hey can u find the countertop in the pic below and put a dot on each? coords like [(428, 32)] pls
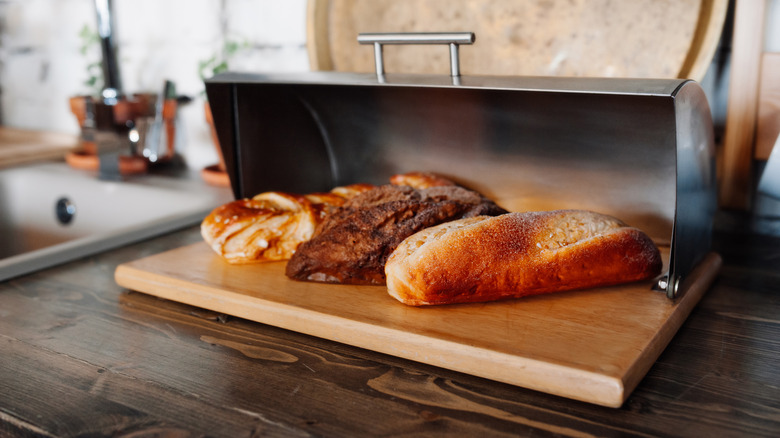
[(19, 146), (80, 356)]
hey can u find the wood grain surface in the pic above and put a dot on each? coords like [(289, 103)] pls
[(82, 356), (768, 117), (592, 345), (736, 157), (539, 38)]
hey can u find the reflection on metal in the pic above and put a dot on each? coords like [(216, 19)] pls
[(112, 82), (639, 149)]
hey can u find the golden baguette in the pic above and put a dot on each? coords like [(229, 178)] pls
[(518, 254)]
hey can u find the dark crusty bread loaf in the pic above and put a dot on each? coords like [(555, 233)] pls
[(351, 245), (518, 254)]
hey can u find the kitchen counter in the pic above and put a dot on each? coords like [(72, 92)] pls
[(81, 356), (20, 146)]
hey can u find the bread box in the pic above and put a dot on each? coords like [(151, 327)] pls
[(639, 149)]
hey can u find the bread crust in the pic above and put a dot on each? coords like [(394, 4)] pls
[(271, 225), (420, 180), (353, 243), (518, 254)]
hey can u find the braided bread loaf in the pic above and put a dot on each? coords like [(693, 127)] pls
[(271, 225)]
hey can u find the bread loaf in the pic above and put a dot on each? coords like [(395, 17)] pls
[(518, 254), (271, 225), (420, 180), (353, 243)]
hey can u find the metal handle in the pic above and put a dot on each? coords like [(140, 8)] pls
[(453, 39)]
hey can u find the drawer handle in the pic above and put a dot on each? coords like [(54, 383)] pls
[(453, 39)]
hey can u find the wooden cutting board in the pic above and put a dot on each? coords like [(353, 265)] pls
[(638, 38), (592, 345)]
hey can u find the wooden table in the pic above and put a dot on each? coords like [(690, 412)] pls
[(81, 356)]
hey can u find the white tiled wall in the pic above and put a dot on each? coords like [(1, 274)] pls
[(41, 65)]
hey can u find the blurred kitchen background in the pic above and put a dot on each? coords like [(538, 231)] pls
[(49, 52)]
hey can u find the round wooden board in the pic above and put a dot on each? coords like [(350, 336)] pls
[(601, 38)]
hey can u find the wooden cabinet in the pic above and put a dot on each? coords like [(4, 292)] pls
[(753, 115)]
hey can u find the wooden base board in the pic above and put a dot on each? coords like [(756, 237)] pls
[(592, 345)]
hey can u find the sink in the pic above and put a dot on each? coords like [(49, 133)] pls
[(51, 213)]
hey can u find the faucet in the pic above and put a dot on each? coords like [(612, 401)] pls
[(120, 125), (110, 138), (112, 82), (111, 141)]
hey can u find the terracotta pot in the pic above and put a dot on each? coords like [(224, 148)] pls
[(130, 109), (128, 164), (78, 106)]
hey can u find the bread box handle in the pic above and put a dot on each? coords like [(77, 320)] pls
[(453, 39)]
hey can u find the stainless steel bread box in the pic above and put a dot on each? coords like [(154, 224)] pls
[(639, 149)]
